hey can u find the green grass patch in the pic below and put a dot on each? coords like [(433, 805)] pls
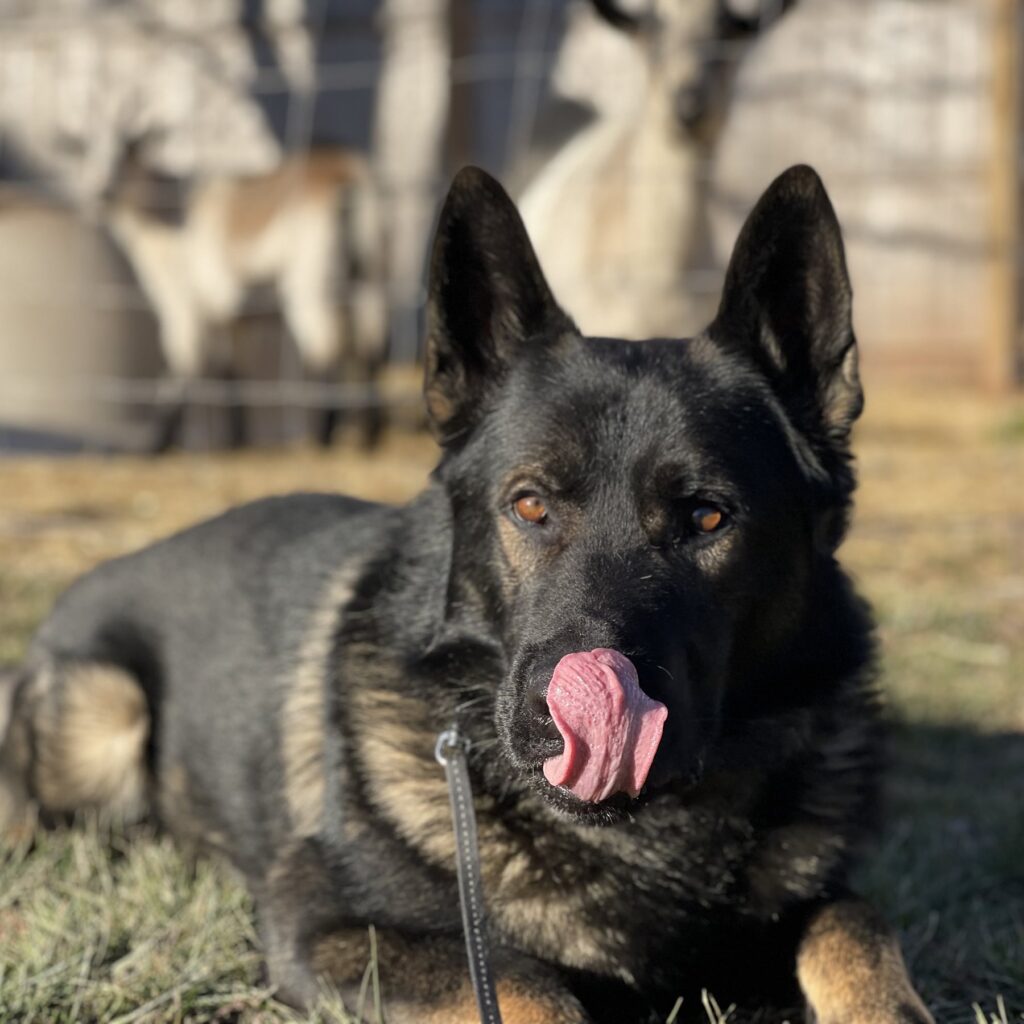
[(1011, 430), (24, 601), (125, 928)]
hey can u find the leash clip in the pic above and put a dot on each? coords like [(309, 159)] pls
[(449, 739)]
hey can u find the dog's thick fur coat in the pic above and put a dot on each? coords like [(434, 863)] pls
[(271, 682)]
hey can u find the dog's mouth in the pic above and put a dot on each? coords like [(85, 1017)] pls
[(590, 742), (586, 741), (609, 728)]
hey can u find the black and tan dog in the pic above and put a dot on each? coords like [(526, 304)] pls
[(620, 582)]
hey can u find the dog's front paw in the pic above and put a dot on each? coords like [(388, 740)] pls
[(851, 970), (873, 1009)]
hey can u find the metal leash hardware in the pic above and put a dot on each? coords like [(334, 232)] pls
[(450, 752)]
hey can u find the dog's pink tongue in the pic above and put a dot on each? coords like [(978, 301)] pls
[(610, 726)]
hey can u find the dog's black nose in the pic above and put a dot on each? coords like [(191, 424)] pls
[(537, 701)]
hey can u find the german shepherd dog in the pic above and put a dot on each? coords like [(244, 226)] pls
[(621, 584)]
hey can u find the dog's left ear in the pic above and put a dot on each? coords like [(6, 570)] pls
[(487, 300), (787, 302)]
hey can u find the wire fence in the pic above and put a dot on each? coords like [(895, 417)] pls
[(634, 154)]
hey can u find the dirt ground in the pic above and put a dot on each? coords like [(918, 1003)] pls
[(937, 545)]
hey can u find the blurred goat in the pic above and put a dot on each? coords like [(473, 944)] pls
[(616, 215), (311, 229)]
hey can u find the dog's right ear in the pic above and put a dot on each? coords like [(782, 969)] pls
[(787, 304), (487, 300)]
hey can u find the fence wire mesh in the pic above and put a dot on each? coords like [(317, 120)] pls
[(142, 144)]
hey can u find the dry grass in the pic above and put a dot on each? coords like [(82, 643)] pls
[(938, 545)]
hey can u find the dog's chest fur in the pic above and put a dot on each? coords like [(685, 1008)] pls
[(602, 900)]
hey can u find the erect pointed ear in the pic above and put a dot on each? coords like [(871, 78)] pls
[(786, 303), (487, 300)]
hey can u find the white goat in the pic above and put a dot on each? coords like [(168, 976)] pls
[(616, 216), (310, 229)]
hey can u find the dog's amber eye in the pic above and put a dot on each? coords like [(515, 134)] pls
[(530, 509), (707, 519)]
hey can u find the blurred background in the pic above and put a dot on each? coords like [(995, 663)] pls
[(214, 213), (214, 216)]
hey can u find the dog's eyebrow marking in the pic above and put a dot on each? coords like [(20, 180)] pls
[(547, 475), (472, 702)]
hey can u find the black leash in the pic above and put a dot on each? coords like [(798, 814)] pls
[(450, 752)]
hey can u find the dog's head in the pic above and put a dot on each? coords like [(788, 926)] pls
[(665, 508)]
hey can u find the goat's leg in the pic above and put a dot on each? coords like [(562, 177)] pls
[(318, 330), (221, 361), (181, 338), (172, 401)]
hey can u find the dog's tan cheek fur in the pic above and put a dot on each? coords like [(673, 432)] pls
[(522, 557), (516, 561)]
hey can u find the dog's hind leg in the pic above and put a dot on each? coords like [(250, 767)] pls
[(75, 740)]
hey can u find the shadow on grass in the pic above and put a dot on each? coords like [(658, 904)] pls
[(949, 871)]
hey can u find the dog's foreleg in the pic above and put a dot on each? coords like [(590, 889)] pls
[(851, 970), (425, 980)]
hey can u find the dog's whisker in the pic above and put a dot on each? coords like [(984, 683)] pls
[(486, 744), (471, 703)]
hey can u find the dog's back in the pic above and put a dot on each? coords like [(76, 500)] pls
[(130, 669)]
